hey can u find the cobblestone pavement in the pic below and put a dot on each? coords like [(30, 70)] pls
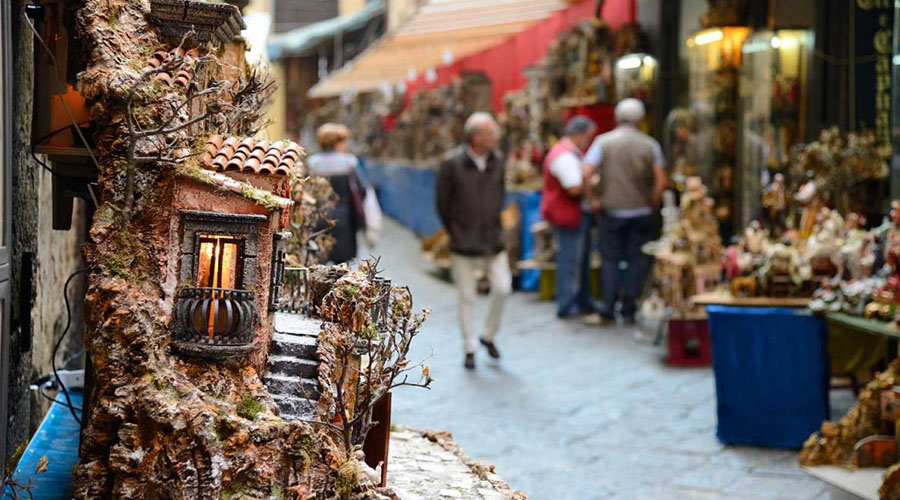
[(421, 469), (577, 412)]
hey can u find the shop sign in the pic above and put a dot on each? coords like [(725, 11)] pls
[(873, 22)]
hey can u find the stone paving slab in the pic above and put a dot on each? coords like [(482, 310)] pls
[(574, 412)]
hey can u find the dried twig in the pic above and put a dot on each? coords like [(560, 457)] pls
[(370, 363), (231, 108)]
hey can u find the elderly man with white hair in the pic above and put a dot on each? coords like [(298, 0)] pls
[(470, 196), (632, 178)]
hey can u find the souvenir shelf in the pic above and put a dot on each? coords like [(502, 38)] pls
[(714, 58), (774, 69), (635, 76)]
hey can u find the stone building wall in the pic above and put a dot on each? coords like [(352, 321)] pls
[(55, 253), (58, 256)]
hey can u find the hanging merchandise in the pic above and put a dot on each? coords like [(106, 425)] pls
[(581, 65)]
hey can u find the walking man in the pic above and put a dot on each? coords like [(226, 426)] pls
[(470, 197), (632, 180), (562, 205)]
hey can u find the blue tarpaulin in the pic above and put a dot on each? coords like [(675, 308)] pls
[(57, 439), (530, 207), (407, 195), (772, 375)]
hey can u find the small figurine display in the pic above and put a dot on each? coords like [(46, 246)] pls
[(793, 266), (865, 283), (775, 203), (544, 242), (723, 13), (839, 163), (867, 436), (688, 255), (522, 142)]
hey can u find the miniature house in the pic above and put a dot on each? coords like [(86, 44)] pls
[(228, 233)]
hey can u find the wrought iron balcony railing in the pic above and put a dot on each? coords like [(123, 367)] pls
[(214, 321), (295, 291)]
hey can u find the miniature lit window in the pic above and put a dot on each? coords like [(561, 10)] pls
[(219, 262)]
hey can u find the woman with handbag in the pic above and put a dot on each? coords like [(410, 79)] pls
[(339, 166)]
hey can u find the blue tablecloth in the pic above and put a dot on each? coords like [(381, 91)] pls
[(57, 439), (407, 195), (772, 375)]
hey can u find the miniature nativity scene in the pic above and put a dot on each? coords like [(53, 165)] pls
[(224, 360)]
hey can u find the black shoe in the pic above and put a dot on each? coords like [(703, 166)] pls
[(492, 349), (470, 361), (607, 319), (629, 320)]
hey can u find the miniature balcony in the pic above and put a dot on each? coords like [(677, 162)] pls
[(214, 322)]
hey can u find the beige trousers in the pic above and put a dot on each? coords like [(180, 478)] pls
[(465, 275)]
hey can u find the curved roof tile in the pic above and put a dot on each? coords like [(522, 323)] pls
[(259, 157)]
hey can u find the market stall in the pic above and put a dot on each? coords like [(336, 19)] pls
[(808, 291)]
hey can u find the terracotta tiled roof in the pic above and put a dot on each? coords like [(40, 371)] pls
[(246, 154), (183, 76)]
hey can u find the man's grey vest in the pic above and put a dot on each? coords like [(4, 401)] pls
[(626, 169)]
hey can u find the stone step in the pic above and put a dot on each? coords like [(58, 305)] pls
[(292, 407), (293, 366), (299, 346), (286, 385), (297, 324)]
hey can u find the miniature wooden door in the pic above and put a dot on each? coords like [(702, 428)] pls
[(5, 220)]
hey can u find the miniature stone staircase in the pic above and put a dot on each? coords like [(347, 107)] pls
[(292, 369)]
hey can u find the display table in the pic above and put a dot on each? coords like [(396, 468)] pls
[(849, 484), (857, 344), (863, 325), (772, 374), (723, 297)]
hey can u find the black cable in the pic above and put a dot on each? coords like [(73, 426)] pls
[(54, 400), (62, 386), (43, 165)]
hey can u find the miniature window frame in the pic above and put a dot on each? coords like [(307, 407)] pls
[(196, 223)]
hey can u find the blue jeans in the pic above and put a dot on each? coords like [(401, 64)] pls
[(573, 267), (621, 240)]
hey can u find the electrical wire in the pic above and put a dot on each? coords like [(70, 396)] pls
[(59, 93), (43, 165), (41, 391), (62, 386)]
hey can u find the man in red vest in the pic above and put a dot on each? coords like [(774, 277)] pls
[(562, 207)]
